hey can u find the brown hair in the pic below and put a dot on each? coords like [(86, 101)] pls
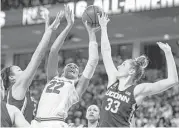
[(139, 64), (5, 73)]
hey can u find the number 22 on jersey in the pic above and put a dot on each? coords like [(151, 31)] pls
[(54, 86), (110, 104)]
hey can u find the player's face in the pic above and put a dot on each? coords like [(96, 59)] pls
[(71, 71), (16, 72), (125, 68), (93, 113)]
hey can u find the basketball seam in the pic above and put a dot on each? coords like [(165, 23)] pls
[(89, 17)]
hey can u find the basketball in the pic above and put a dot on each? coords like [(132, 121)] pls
[(90, 15)]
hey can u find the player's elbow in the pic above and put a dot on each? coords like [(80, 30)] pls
[(176, 79), (173, 81), (173, 77)]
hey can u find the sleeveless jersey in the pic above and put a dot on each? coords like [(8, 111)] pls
[(27, 106), (118, 107), (57, 97), (5, 117)]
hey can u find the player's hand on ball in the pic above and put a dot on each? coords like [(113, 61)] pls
[(56, 22), (69, 15), (103, 19), (90, 29), (165, 47)]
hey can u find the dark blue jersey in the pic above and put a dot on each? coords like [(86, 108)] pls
[(27, 106), (118, 107), (5, 117)]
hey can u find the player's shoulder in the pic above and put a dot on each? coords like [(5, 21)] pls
[(55, 78), (112, 83), (140, 90)]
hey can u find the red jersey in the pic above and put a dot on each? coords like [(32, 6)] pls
[(118, 107)]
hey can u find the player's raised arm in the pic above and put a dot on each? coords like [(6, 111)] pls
[(24, 81), (162, 85), (92, 61), (106, 50), (52, 66)]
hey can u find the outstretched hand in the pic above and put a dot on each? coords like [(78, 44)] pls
[(69, 15), (55, 23), (90, 29), (164, 47), (103, 19)]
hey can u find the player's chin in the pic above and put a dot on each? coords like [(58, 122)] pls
[(70, 75), (91, 118)]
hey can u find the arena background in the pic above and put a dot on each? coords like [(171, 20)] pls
[(134, 28)]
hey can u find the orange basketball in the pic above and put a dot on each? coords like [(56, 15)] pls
[(90, 15)]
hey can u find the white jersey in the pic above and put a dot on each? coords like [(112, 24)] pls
[(57, 97)]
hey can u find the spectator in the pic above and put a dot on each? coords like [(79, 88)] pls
[(92, 115)]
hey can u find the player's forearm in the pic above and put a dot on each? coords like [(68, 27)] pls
[(93, 52), (171, 67), (60, 39), (52, 65), (89, 69), (92, 37), (93, 47), (43, 45), (105, 44), (106, 53), (92, 61), (38, 54)]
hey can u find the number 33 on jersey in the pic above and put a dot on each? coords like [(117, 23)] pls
[(113, 105), (118, 107)]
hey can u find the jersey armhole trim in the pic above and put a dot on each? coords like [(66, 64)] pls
[(108, 86), (12, 121), (24, 103)]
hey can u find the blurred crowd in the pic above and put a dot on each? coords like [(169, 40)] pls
[(161, 110)]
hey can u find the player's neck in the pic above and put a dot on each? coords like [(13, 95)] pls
[(74, 80), (92, 124), (124, 83)]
